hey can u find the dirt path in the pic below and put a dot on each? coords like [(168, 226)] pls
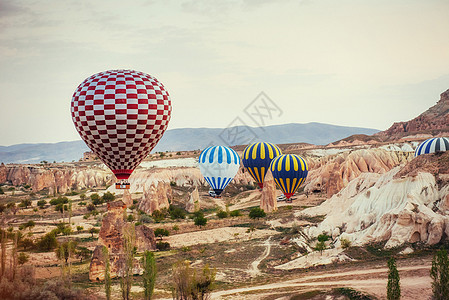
[(415, 283), (254, 267)]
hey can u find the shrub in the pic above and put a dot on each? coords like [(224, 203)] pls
[(323, 237), (200, 221), (41, 203), (47, 242), (2, 207), (175, 227), (22, 258), (158, 216), (130, 218), (345, 243), (162, 246), (257, 213), (79, 228), (108, 196), (90, 207), (59, 200), (161, 232), (25, 203), (221, 214), (96, 199), (1, 191), (235, 213), (144, 218), (176, 212)]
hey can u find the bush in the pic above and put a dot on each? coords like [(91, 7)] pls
[(1, 191), (144, 218), (200, 221), (162, 246), (96, 200), (176, 212), (2, 207), (161, 232), (25, 203), (345, 243), (257, 213), (221, 214), (47, 242), (175, 227), (158, 216), (323, 237), (108, 196), (130, 218), (22, 258), (90, 207), (59, 200), (41, 203), (79, 228)]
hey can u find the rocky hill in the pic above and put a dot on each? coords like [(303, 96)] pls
[(404, 205), (433, 121)]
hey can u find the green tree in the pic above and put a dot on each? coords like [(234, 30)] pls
[(66, 250), (25, 203), (221, 214), (161, 232), (320, 246), (129, 242), (393, 286), (22, 258), (257, 213), (79, 228), (235, 213), (41, 203), (93, 230), (440, 275), (158, 216), (107, 273), (200, 221), (47, 242), (96, 199), (323, 237), (108, 196), (83, 196), (1, 191), (149, 274)]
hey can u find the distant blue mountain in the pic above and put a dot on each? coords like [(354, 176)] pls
[(192, 139)]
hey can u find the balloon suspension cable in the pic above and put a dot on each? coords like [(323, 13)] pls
[(123, 184)]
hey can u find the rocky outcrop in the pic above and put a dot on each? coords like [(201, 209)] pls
[(268, 201), (55, 179), (435, 120), (111, 237), (156, 197), (193, 204), (330, 174), (396, 207)]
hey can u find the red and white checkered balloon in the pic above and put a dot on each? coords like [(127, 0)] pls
[(121, 115)]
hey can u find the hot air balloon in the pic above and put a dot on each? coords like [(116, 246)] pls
[(218, 165), (121, 115), (289, 172), (433, 145), (257, 158)]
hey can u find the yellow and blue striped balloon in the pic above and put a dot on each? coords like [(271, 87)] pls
[(257, 158), (289, 172)]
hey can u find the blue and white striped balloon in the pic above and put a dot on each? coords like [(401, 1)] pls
[(433, 145), (219, 165)]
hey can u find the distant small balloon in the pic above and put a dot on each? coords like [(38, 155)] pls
[(289, 172), (433, 145), (219, 165), (257, 159)]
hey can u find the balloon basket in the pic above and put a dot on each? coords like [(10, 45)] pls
[(123, 185)]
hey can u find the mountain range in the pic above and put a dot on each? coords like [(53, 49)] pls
[(192, 139)]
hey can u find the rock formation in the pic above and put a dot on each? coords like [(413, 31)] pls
[(111, 237), (435, 121), (193, 204), (405, 204), (332, 173), (268, 201), (156, 197), (56, 179)]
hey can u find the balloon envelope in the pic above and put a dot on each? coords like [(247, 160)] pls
[(433, 145), (289, 172), (257, 159), (121, 115), (219, 165)]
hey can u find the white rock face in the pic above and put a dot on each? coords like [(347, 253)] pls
[(375, 208)]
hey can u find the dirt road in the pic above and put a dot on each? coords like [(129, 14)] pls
[(415, 284)]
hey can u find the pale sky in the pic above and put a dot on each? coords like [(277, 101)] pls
[(347, 62)]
